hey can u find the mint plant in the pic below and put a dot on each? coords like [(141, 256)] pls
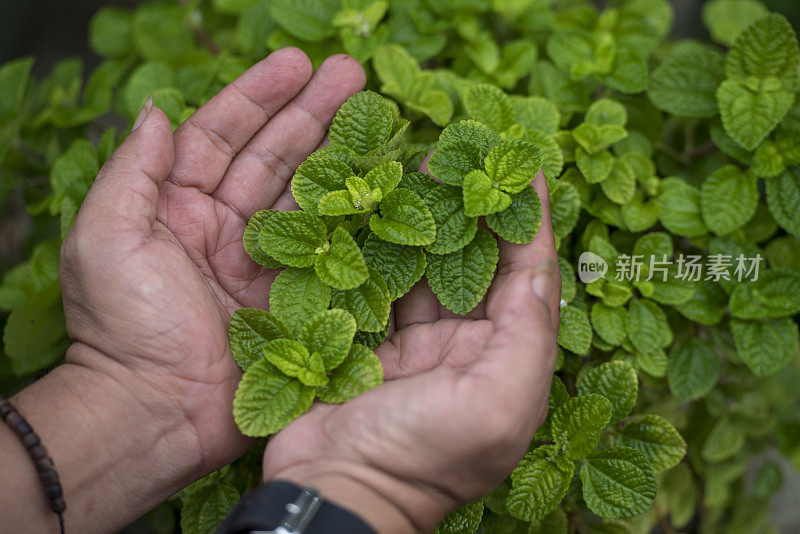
[(361, 240), (669, 388)]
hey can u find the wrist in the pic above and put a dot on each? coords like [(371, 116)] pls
[(119, 393), (117, 456), (387, 504)]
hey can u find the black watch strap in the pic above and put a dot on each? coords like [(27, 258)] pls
[(263, 509)]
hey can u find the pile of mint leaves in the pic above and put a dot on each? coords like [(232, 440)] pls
[(674, 406)]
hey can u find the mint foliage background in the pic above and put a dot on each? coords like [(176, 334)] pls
[(668, 393)]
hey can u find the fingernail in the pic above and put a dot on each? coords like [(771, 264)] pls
[(543, 278), (148, 105)]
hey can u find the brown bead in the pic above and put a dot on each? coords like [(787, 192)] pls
[(49, 477), (38, 452), (31, 440), (58, 505), (53, 491), (23, 428), (14, 419), (44, 464)]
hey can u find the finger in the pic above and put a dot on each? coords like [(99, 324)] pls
[(517, 362), (417, 306), (124, 198), (260, 173), (208, 141), (514, 257)]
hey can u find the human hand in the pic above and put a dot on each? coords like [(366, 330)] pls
[(462, 399), (154, 266)]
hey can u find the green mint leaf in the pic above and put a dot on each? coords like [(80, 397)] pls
[(620, 184), (726, 19), (767, 160), (766, 346), (680, 208), (372, 340), (728, 199), (316, 177), (618, 482), (404, 219), (628, 73), (329, 334), (160, 32), (639, 215), (555, 522), (385, 176), (363, 123), (610, 323), (418, 182), (750, 115), (766, 49), (538, 483), (552, 155), (14, 76), (249, 332), (251, 246), (575, 331), (267, 400), (402, 78), (593, 138), (110, 32), (487, 104), (293, 359), (308, 20), (565, 208), (337, 203), (292, 237), (707, 305), (616, 381), (725, 440), (686, 82), (360, 371), (454, 228), (297, 294), (512, 165), (520, 221), (342, 266), (577, 423), (34, 335), (656, 438), (775, 294), (642, 24), (693, 369), (205, 509), (400, 266), (768, 481), (480, 197), (369, 303), (461, 148), (463, 520), (783, 200), (606, 112), (580, 53), (594, 167), (460, 279), (536, 113), (648, 328)]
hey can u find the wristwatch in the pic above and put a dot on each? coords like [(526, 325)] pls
[(280, 507)]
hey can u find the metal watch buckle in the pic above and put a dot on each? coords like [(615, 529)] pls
[(298, 514)]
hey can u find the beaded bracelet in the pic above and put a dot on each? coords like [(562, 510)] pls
[(42, 461)]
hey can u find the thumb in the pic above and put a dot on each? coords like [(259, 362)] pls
[(124, 196), (517, 361)]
